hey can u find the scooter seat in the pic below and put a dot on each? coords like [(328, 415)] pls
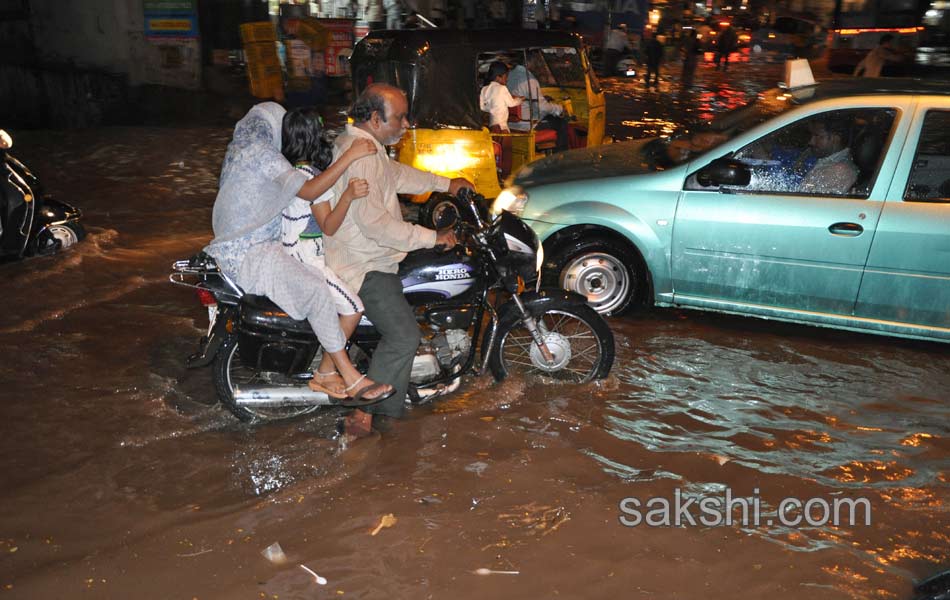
[(259, 312)]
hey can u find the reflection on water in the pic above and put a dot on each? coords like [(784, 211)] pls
[(783, 412), (635, 112), (857, 421)]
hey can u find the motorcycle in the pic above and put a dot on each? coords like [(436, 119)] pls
[(467, 299), (31, 221)]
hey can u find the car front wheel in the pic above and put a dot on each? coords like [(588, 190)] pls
[(600, 270)]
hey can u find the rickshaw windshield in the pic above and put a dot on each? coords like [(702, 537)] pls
[(564, 67)]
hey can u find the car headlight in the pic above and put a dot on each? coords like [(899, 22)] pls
[(512, 199)]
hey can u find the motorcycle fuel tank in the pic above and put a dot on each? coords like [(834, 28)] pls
[(433, 275)]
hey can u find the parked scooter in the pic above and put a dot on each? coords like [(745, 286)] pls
[(467, 299), (31, 222)]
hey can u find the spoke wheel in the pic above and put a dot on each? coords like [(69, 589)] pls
[(230, 372), (577, 337)]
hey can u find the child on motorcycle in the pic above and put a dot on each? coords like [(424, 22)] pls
[(305, 222)]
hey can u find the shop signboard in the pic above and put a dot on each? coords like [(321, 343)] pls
[(171, 18), (339, 47), (171, 25)]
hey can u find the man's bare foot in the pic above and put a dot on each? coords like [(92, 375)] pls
[(358, 424)]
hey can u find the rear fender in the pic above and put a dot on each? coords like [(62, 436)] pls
[(211, 343)]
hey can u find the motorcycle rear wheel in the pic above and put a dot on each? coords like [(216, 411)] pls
[(228, 371), (579, 338)]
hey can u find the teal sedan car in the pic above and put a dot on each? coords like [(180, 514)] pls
[(827, 204)]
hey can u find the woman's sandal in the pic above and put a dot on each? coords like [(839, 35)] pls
[(365, 395), (320, 382)]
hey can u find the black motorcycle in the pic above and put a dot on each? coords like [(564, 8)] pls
[(468, 299), (31, 221)]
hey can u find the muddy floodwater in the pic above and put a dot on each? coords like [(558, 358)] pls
[(123, 478)]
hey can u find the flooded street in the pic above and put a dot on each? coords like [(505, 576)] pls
[(123, 477)]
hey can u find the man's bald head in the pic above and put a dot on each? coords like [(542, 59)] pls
[(381, 111)]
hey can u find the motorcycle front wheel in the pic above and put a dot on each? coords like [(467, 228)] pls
[(229, 371), (579, 339)]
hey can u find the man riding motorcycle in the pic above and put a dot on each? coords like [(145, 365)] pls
[(373, 239)]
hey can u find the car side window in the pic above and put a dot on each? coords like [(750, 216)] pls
[(835, 153), (929, 179)]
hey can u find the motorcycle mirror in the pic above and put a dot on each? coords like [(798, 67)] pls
[(6, 141)]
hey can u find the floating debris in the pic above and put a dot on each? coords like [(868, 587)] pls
[(484, 571), (385, 522), (317, 578), (275, 554)]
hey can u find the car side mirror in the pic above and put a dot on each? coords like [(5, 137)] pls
[(724, 171)]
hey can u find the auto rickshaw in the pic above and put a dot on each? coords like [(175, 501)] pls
[(442, 71)]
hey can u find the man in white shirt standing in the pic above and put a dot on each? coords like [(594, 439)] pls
[(366, 250), (616, 44)]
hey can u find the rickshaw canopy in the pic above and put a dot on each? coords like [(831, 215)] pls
[(438, 68)]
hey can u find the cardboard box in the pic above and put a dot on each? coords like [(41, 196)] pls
[(312, 33), (261, 31), (298, 58), (318, 62)]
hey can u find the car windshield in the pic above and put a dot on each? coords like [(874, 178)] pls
[(694, 140)]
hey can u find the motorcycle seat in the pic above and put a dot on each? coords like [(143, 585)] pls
[(261, 312)]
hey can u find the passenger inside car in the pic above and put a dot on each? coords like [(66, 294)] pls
[(830, 154), (834, 171)]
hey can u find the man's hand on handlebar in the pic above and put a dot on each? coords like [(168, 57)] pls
[(445, 239), (460, 183)]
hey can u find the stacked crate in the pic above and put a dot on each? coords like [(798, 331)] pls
[(263, 64)]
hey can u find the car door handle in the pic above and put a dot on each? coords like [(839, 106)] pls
[(850, 229)]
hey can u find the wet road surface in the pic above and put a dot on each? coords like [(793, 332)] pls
[(123, 477)]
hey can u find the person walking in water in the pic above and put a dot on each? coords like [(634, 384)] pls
[(653, 51), (691, 52)]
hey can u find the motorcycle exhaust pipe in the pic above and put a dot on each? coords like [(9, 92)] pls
[(277, 396)]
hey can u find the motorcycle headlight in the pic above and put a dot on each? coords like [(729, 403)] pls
[(512, 199)]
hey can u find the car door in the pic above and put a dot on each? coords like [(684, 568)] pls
[(907, 278), (779, 241)]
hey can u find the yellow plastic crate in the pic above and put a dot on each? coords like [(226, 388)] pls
[(313, 34), (261, 31)]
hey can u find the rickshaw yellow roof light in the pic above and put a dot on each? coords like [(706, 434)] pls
[(446, 158)]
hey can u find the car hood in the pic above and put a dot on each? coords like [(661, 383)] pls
[(609, 160)]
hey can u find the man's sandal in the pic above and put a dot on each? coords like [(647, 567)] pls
[(370, 394), (321, 381)]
